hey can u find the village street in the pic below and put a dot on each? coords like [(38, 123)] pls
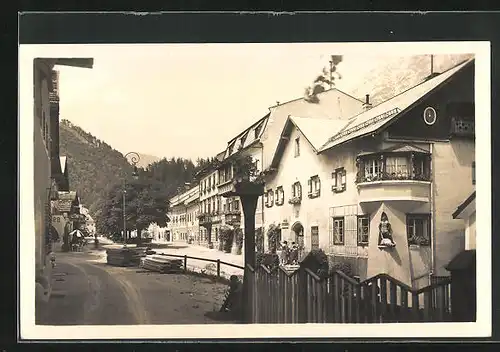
[(87, 291)]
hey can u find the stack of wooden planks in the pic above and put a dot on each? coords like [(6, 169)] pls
[(124, 256), (161, 264)]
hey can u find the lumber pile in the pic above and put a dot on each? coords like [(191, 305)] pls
[(161, 264), (124, 256)]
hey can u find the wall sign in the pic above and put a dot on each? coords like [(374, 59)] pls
[(285, 224)]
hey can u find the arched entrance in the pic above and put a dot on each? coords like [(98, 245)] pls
[(298, 230)]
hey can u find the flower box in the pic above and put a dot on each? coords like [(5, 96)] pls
[(295, 200)]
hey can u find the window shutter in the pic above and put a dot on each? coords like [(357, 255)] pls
[(266, 198), (309, 185), (300, 190), (293, 190), (344, 174)]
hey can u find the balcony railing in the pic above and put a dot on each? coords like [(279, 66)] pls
[(393, 167), (385, 176)]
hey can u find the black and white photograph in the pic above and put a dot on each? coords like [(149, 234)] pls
[(197, 190)]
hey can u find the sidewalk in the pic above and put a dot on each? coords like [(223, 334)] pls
[(181, 248)]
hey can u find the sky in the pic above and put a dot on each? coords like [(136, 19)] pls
[(189, 100)]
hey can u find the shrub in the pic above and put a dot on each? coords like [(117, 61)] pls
[(238, 238), (259, 240), (270, 260), (317, 261), (226, 235), (342, 266), (273, 237)]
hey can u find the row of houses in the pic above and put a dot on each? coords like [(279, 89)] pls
[(375, 187), (56, 206)]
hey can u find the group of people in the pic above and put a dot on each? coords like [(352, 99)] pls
[(289, 253)]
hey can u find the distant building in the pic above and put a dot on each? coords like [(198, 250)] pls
[(409, 157), (183, 212)]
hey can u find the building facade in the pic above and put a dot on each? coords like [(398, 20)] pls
[(466, 211), (183, 213), (48, 176), (388, 167)]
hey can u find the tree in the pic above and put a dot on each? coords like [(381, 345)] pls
[(146, 202), (326, 78)]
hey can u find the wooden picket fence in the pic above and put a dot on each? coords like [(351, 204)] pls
[(284, 297)]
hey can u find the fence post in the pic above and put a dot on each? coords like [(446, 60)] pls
[(185, 263), (302, 295), (218, 268)]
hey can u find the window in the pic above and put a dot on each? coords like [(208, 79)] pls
[(314, 185), (314, 237), (339, 180), (236, 204), (243, 139), (418, 229), (297, 190), (363, 229), (296, 193), (257, 130), (473, 172), (280, 196), (338, 231), (297, 147), (373, 168), (397, 167), (269, 198)]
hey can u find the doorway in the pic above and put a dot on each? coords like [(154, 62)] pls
[(298, 230)]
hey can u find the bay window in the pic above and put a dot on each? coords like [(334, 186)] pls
[(393, 166)]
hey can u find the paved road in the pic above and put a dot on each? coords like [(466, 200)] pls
[(86, 292)]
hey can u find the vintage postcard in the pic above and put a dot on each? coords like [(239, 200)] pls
[(189, 191)]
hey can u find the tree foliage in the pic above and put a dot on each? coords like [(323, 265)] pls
[(324, 80), (146, 202)]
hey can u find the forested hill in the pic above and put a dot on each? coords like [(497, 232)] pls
[(94, 167)]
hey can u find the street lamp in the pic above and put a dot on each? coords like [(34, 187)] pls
[(134, 159)]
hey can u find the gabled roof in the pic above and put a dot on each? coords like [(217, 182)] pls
[(467, 206), (316, 131), (247, 138), (380, 115)]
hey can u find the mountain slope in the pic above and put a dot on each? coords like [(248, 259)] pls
[(146, 159), (401, 73), (93, 165)]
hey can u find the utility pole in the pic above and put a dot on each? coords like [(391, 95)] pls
[(432, 64)]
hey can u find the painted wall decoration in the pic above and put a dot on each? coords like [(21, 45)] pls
[(385, 232)]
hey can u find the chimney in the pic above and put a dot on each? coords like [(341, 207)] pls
[(367, 105)]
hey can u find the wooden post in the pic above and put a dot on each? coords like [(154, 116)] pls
[(185, 263), (249, 205), (218, 268)]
